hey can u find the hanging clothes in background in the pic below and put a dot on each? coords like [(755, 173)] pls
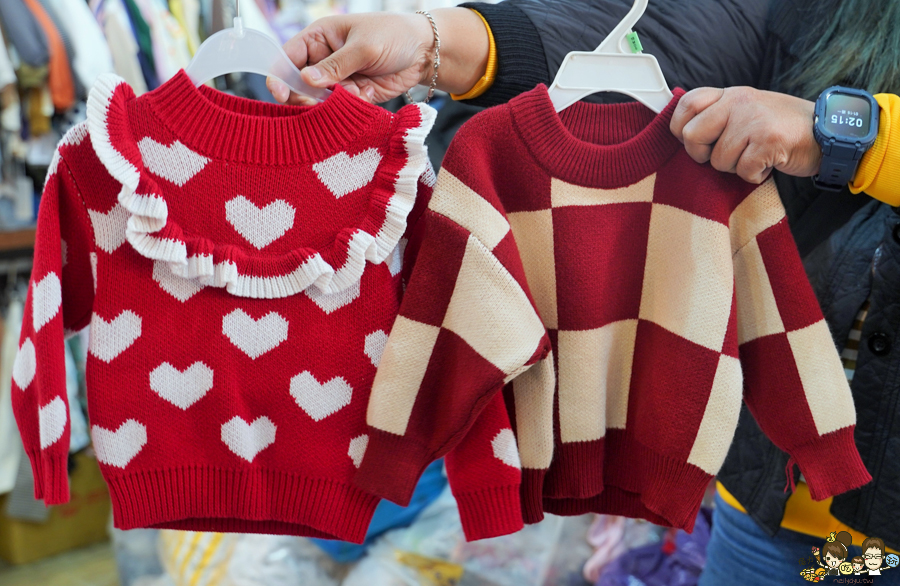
[(25, 34), (59, 76), (141, 31), (116, 27), (168, 41), (187, 13), (7, 73), (91, 56), (10, 444)]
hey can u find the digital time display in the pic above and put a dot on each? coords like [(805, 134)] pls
[(847, 115)]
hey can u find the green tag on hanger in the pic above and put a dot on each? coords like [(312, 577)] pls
[(634, 42)]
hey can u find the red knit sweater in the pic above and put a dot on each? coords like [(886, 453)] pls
[(670, 292), (239, 265)]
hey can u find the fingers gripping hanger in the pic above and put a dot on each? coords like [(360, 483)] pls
[(617, 65), (245, 50)]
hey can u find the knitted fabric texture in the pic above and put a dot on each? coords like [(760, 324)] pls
[(670, 292), (240, 266)]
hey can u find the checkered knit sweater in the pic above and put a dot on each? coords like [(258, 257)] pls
[(670, 292), (239, 265)]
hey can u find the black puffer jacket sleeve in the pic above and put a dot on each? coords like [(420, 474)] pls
[(697, 42)]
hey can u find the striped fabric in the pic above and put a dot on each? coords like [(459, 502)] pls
[(851, 350)]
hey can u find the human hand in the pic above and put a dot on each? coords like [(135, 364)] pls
[(376, 56), (748, 131)]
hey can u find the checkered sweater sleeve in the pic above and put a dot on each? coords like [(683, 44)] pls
[(59, 299), (794, 384), (467, 325)]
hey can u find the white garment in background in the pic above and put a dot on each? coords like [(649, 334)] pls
[(7, 72), (170, 48), (92, 53), (117, 28), (10, 443)]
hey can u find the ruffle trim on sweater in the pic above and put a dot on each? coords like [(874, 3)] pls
[(244, 273)]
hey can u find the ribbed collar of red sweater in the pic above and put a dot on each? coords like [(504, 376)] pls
[(613, 146)]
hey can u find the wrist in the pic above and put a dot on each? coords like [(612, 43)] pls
[(425, 41), (464, 49)]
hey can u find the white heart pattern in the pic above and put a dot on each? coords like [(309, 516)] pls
[(109, 339), (259, 226), (334, 301), (182, 389), (343, 174), (176, 162), (46, 299), (505, 448), (52, 419), (178, 287), (118, 448), (109, 227), (357, 449), (255, 337), (319, 400), (248, 440), (25, 365), (374, 348)]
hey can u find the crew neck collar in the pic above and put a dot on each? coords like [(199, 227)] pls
[(226, 127), (595, 145)]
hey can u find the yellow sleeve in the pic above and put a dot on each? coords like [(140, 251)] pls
[(490, 72), (879, 170)]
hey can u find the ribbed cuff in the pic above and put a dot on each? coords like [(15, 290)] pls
[(491, 512), (532, 492), (521, 62), (831, 464), (391, 466), (51, 477), (877, 175)]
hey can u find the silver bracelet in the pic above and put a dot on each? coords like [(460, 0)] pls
[(437, 57)]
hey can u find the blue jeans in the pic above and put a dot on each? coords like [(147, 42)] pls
[(740, 553)]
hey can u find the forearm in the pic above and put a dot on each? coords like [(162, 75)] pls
[(464, 49)]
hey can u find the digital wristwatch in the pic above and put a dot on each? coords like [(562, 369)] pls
[(845, 126)]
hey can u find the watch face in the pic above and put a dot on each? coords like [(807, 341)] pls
[(847, 115)]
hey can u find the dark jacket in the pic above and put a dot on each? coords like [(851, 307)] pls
[(850, 243)]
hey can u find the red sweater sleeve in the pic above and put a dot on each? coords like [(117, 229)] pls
[(467, 325), (794, 383), (59, 298), (485, 473)]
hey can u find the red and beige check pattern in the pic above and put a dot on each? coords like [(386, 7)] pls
[(670, 292)]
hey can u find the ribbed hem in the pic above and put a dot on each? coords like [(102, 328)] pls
[(51, 477), (222, 126), (391, 466), (613, 501), (577, 470), (532, 495), (258, 501), (668, 488), (490, 513), (595, 145), (817, 463), (521, 62)]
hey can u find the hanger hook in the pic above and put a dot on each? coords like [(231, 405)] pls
[(237, 8)]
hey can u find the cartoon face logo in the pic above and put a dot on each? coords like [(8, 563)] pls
[(832, 561), (892, 560), (846, 568)]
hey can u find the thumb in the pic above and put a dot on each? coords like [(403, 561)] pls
[(336, 67)]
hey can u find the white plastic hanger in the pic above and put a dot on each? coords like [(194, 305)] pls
[(245, 50), (612, 67)]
